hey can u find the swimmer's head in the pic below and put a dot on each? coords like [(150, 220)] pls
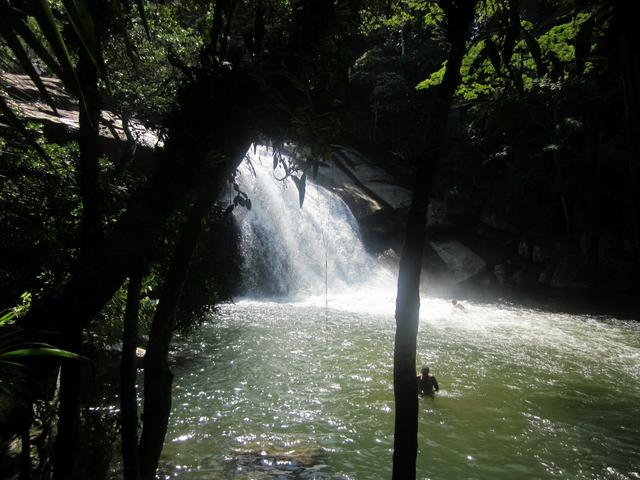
[(424, 369), (454, 302)]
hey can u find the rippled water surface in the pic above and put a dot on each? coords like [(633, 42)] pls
[(524, 394)]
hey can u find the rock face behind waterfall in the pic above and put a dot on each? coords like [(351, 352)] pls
[(380, 206), (472, 249)]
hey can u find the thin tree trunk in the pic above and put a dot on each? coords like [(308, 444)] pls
[(459, 17), (128, 370), (46, 440), (25, 453), (67, 444), (405, 441), (88, 171), (157, 374)]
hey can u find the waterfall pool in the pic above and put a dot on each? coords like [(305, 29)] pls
[(302, 388), (280, 390)]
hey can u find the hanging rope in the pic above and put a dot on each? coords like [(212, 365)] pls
[(326, 250), (326, 263), (326, 282)]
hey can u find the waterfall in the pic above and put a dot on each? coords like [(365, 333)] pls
[(295, 252)]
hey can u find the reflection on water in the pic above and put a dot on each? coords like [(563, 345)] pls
[(283, 390)]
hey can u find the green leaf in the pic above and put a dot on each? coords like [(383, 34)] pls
[(38, 352), (49, 28), (10, 337), (583, 44), (8, 316), (477, 61), (301, 185), (11, 364), (82, 23), (434, 79)]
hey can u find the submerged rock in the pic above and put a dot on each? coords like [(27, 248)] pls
[(275, 464)]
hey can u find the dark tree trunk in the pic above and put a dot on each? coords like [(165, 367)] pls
[(88, 174), (25, 453), (88, 171), (128, 395), (407, 321), (67, 444), (459, 17), (157, 374)]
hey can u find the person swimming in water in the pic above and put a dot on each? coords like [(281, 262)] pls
[(458, 306), (427, 383)]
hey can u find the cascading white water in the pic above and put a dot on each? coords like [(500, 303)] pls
[(295, 252)]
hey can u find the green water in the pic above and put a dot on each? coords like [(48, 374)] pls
[(524, 394)]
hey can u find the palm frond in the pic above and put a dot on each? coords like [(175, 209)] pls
[(38, 352), (25, 62), (23, 31), (48, 25), (82, 23)]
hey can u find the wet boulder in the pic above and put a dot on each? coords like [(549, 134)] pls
[(279, 464)]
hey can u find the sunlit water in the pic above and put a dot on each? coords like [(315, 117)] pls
[(524, 394), (302, 388)]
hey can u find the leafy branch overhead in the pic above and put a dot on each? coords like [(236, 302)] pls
[(511, 51)]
